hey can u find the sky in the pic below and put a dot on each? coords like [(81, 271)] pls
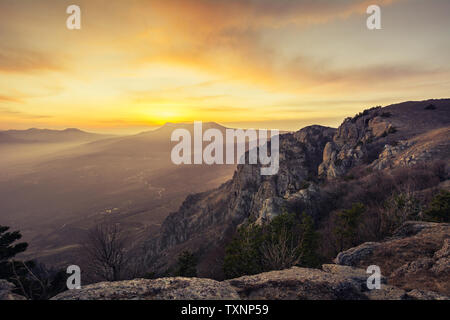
[(277, 64)]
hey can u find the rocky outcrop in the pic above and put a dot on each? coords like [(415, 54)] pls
[(381, 138), (205, 221), (303, 284), (416, 257), (6, 291), (159, 289), (376, 139)]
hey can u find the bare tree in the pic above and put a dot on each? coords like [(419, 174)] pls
[(106, 249), (281, 253)]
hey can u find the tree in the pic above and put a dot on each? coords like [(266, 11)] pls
[(32, 280), (10, 268), (287, 240), (397, 209), (439, 210), (309, 243), (242, 256), (8, 250), (106, 244), (186, 265), (347, 222), (281, 246)]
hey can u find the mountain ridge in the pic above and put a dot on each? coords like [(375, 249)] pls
[(376, 139)]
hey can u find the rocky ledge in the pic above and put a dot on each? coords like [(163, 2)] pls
[(332, 282), (414, 264)]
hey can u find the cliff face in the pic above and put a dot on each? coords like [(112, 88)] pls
[(378, 138), (205, 221)]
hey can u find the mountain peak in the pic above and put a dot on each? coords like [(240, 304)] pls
[(73, 130)]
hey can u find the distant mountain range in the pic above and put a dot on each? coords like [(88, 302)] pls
[(55, 185), (34, 135)]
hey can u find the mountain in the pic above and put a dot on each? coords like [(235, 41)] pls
[(25, 147), (128, 179), (34, 135), (321, 170)]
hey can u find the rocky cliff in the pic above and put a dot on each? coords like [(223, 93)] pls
[(378, 138), (401, 134), (419, 250), (205, 221)]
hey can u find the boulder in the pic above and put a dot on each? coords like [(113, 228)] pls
[(416, 257), (158, 289)]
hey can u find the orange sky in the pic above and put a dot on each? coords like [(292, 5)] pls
[(248, 63)]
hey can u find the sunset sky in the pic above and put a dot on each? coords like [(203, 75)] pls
[(282, 64)]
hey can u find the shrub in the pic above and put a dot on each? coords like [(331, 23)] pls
[(347, 222), (186, 265), (309, 243), (286, 241), (242, 253), (397, 209), (430, 107), (439, 210)]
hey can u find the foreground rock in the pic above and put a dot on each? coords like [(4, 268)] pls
[(417, 257), (6, 291), (302, 284), (333, 282), (159, 289)]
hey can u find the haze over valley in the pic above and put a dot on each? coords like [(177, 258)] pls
[(55, 185)]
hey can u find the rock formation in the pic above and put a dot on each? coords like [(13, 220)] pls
[(378, 138)]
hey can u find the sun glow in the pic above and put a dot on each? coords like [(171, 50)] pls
[(143, 63)]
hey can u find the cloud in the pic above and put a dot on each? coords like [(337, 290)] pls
[(227, 38), (21, 115), (26, 61), (10, 99), (220, 14)]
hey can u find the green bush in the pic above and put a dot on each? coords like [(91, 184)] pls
[(242, 255), (346, 229), (186, 265), (287, 240)]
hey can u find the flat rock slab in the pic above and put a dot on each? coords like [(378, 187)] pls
[(159, 289), (298, 284)]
